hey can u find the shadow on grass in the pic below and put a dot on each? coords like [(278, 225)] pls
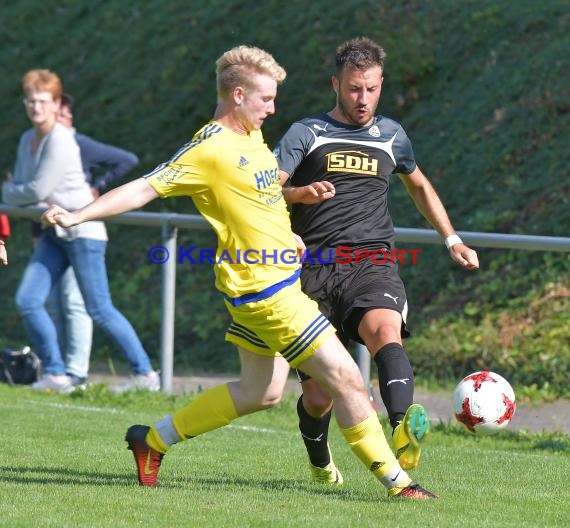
[(56, 475), (281, 485), (68, 476)]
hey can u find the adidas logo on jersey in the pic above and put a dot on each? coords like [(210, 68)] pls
[(243, 162)]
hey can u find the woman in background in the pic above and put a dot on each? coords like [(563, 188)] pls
[(48, 171)]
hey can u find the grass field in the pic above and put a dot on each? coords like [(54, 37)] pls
[(63, 462)]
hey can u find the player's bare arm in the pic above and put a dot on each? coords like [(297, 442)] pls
[(431, 207), (308, 194), (132, 195)]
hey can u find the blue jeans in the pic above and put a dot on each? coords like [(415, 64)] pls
[(51, 257), (72, 322)]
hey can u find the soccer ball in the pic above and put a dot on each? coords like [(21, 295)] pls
[(484, 402)]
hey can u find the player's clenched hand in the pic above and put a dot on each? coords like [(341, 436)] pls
[(465, 256), (310, 194), (318, 192), (58, 215)]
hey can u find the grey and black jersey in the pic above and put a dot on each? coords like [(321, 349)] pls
[(358, 161)]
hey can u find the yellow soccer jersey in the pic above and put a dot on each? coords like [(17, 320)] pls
[(233, 180)]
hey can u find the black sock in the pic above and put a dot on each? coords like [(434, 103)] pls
[(396, 380), (315, 432)]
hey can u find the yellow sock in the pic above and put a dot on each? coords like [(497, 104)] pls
[(211, 410), (368, 443)]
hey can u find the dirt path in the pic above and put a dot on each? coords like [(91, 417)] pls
[(552, 417)]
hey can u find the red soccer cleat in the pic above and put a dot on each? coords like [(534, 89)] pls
[(147, 459), (415, 491)]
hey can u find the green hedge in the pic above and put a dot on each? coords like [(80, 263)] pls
[(479, 85)]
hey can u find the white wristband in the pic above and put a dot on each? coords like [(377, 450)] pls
[(452, 240)]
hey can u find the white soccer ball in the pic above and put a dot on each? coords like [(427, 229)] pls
[(484, 402)]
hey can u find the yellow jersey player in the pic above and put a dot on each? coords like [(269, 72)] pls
[(233, 179)]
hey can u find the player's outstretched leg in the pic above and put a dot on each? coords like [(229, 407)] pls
[(260, 387), (409, 434), (147, 459)]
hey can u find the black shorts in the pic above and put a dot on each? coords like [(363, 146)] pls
[(345, 292)]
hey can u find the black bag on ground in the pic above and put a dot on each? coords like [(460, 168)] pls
[(19, 367)]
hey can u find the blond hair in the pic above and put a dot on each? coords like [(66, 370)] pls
[(234, 68), (42, 81)]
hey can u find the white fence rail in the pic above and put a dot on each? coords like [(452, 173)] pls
[(170, 222)]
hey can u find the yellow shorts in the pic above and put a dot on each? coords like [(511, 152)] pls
[(286, 324)]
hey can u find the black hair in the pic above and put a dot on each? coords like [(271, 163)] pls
[(68, 101), (360, 53)]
